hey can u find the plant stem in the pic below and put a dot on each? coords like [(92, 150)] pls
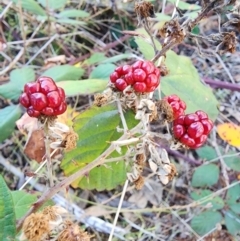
[(162, 52), (48, 154), (67, 181), (221, 84), (118, 210)]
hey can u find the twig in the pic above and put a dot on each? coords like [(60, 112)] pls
[(6, 9), (19, 55), (182, 156), (221, 84), (42, 48), (183, 221), (223, 164), (224, 66), (118, 210)]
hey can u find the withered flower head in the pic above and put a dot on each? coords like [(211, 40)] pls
[(173, 30), (165, 111), (228, 43), (72, 232), (70, 141), (100, 99), (140, 159), (144, 10), (35, 227), (53, 212), (139, 183)]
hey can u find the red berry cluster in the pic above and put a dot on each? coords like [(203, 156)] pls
[(143, 76), (43, 97), (192, 129), (178, 105)]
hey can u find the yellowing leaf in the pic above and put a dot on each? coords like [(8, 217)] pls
[(77, 64), (230, 133)]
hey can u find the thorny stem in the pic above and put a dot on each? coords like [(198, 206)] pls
[(221, 84), (182, 156), (67, 181), (162, 52)]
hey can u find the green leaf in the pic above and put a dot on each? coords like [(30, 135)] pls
[(70, 21), (95, 58), (73, 13), (64, 72), (8, 116), (18, 78), (205, 222), (233, 162), (102, 71), (83, 87), (233, 198), (217, 202), (7, 215), (233, 193), (232, 222), (207, 153), (206, 175), (182, 80), (96, 127), (53, 4), (31, 5), (145, 47), (162, 17), (22, 202)]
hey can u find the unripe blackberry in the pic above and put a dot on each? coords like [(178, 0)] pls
[(43, 97), (178, 105), (192, 129), (143, 76)]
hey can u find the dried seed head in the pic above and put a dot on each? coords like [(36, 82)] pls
[(53, 212), (167, 173), (140, 159), (173, 172), (73, 233), (228, 44), (165, 111), (100, 99), (35, 227), (173, 30), (163, 70), (50, 213), (139, 183), (144, 10), (70, 141)]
